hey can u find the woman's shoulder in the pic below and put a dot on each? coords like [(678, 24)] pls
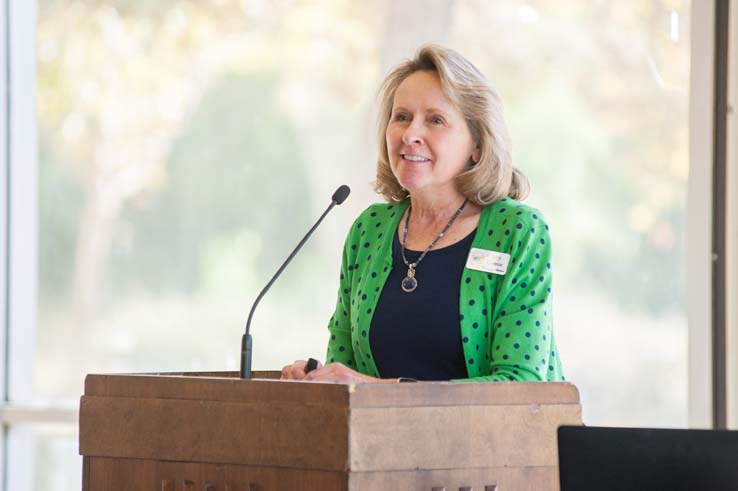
[(379, 210), (512, 211), (377, 214), (372, 230)]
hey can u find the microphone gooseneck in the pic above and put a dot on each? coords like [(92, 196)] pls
[(246, 342)]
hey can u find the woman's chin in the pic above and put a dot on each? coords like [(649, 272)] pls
[(412, 182)]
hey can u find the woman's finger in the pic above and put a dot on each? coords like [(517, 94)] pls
[(298, 370), (294, 371), (321, 373), (335, 372), (288, 371)]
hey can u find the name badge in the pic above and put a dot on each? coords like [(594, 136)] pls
[(488, 261)]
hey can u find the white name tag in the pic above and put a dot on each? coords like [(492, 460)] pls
[(488, 261)]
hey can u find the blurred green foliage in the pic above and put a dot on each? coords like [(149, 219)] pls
[(61, 199), (185, 144), (237, 165), (578, 107)]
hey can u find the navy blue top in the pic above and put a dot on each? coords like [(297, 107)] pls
[(416, 334)]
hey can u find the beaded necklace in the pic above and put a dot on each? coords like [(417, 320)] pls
[(410, 283)]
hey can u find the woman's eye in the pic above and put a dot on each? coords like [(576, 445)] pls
[(401, 117), (438, 120)]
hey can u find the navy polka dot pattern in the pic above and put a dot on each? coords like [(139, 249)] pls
[(505, 321)]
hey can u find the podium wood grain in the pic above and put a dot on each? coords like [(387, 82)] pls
[(212, 431)]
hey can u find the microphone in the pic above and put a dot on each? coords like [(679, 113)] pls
[(246, 343)]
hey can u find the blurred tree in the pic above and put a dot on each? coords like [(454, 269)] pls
[(61, 199), (169, 127), (237, 165), (597, 100), (116, 84)]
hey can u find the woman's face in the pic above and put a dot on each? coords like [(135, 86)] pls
[(428, 140)]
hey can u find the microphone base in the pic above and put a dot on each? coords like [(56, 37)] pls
[(246, 349)]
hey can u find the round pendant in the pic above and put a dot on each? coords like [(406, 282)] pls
[(409, 283)]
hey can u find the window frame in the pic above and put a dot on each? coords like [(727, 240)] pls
[(699, 216), (4, 130), (731, 222)]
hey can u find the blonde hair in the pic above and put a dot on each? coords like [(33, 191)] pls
[(490, 179)]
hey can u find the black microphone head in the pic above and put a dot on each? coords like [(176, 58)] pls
[(341, 194)]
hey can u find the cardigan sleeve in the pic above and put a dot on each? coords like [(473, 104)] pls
[(339, 345), (521, 341)]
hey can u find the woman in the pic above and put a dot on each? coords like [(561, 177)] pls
[(452, 279)]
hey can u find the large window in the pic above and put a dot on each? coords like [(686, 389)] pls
[(184, 146)]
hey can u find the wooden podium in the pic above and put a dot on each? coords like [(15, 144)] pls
[(215, 432)]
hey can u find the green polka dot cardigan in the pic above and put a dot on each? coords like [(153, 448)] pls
[(505, 321)]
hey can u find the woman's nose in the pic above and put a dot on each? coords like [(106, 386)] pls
[(413, 134)]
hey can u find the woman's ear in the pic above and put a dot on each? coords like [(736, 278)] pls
[(476, 155)]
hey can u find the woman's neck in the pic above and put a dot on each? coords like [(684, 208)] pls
[(430, 217), (429, 210)]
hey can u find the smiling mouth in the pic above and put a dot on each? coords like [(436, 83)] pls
[(414, 158)]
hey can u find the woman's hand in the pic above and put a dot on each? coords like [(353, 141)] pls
[(296, 371), (340, 373)]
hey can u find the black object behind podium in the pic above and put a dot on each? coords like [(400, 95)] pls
[(618, 459)]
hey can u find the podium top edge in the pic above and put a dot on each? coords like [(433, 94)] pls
[(265, 386)]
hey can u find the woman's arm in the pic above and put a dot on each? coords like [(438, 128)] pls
[(339, 344)]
